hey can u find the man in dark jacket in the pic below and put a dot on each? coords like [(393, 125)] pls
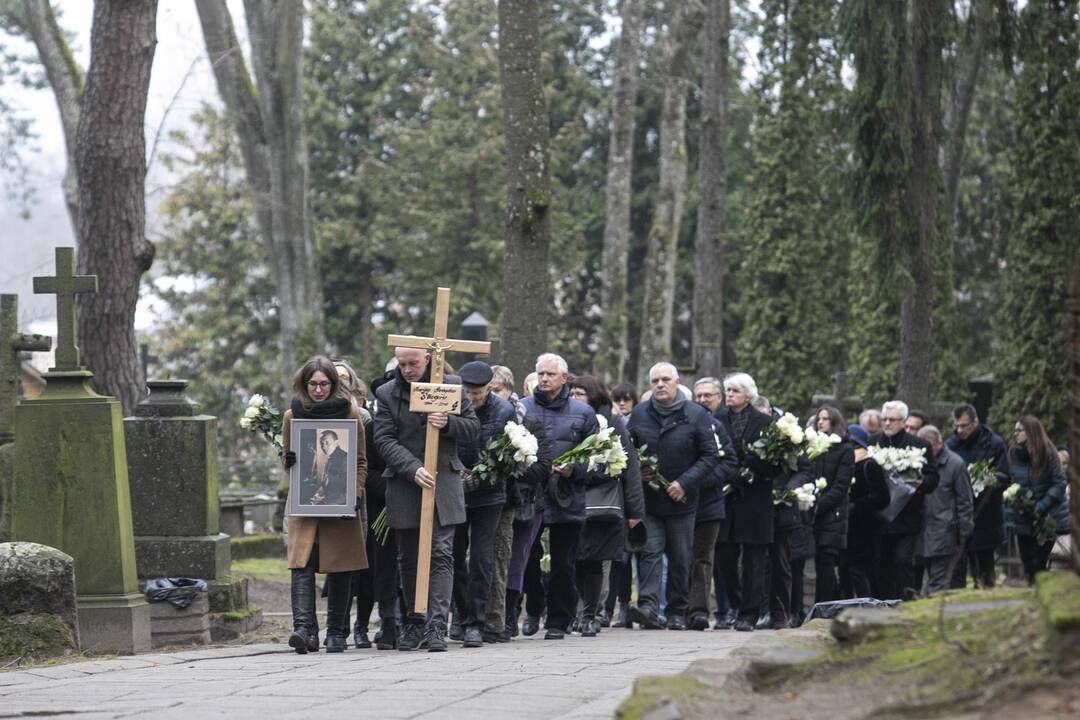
[(947, 512), (901, 571), (474, 539), (747, 531), (679, 434), (566, 422), (400, 436), (973, 441)]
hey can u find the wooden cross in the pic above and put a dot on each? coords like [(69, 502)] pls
[(14, 343), (437, 346), (66, 285), (839, 399)]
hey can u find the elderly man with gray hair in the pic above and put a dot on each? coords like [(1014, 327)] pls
[(948, 512)]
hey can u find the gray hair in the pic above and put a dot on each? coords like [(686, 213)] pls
[(717, 385), (762, 403), (931, 434), (899, 405), (744, 382), (869, 413), (663, 364), (560, 364)]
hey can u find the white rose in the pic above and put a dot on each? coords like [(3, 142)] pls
[(821, 483), (245, 422), (256, 401), (602, 421), (251, 412)]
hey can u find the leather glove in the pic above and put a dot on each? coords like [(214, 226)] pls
[(358, 503), (290, 459)]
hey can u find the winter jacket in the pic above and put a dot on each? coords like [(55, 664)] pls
[(985, 444), (1047, 490), (830, 512), (910, 519), (566, 423), (948, 511), (493, 416), (711, 501), (869, 494), (750, 506), (685, 448)]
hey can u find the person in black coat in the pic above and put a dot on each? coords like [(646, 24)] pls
[(679, 434), (869, 494), (747, 530), (613, 505), (974, 442), (900, 568)]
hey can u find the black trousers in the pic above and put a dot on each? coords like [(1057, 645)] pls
[(590, 583), (901, 571), (1035, 557), (474, 539), (826, 586), (533, 582), (563, 539), (701, 566), (798, 611), (749, 583), (619, 582), (780, 577), (723, 601), (982, 567)]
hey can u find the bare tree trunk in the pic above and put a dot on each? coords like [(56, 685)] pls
[(269, 120), (110, 158), (1073, 355), (708, 320), (36, 19), (613, 333), (923, 196), (671, 191), (528, 187)]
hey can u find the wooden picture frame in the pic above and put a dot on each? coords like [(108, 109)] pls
[(322, 483)]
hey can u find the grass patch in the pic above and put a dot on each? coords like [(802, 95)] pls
[(257, 546), (265, 569), (938, 662), (683, 690)]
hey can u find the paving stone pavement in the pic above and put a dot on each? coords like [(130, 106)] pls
[(573, 679)]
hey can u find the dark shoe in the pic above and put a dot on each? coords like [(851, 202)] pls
[(298, 641), (456, 631), (575, 625), (644, 617), (387, 637), (473, 637), (778, 622), (589, 627), (728, 621), (313, 642), (699, 621), (603, 619), (676, 622), (530, 626), (763, 622), (335, 644), (410, 636), (554, 634), (360, 639), (435, 638), (624, 620), (744, 626), (503, 637)]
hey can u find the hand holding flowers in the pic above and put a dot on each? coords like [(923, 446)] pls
[(803, 496), (508, 454), (983, 475), (781, 442), (262, 417), (1043, 527), (602, 448), (650, 473)]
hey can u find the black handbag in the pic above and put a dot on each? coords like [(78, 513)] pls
[(604, 501)]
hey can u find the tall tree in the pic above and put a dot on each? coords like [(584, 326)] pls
[(1074, 406), (1032, 359), (528, 186), (671, 189), (110, 160), (611, 359), (897, 53), (708, 303), (268, 114)]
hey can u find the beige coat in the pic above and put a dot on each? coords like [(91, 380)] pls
[(341, 542)]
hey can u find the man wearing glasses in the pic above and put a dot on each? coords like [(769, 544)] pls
[(901, 571)]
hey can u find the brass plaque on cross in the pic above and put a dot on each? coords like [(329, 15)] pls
[(435, 398)]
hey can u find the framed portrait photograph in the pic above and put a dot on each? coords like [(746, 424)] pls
[(323, 480)]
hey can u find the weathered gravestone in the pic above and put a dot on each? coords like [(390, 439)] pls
[(172, 469), (71, 483), (37, 601)]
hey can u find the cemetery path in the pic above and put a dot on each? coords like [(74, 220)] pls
[(579, 678)]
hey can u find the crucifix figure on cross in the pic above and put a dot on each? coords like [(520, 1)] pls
[(427, 398), (66, 285)]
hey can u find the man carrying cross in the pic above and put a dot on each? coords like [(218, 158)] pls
[(400, 439)]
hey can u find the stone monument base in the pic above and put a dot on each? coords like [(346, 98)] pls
[(204, 557), (114, 624), (171, 625)]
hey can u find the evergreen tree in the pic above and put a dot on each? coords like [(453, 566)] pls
[(1032, 363)]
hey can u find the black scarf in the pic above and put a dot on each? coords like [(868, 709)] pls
[(665, 411), (333, 408), (739, 421), (556, 403)]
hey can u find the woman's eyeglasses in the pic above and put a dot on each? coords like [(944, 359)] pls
[(324, 385)]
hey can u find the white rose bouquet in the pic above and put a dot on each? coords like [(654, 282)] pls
[(506, 455), (262, 417), (650, 465), (781, 442), (803, 496), (818, 443), (905, 462), (1022, 502), (602, 448), (983, 475)]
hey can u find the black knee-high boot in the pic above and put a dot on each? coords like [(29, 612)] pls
[(338, 586), (305, 636)]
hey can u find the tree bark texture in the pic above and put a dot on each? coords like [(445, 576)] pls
[(110, 160), (611, 359), (922, 198), (708, 305), (268, 115), (528, 186), (1073, 329), (671, 191)]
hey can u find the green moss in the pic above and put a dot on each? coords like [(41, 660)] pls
[(257, 546), (1059, 594), (265, 569), (43, 635), (684, 690), (237, 615)]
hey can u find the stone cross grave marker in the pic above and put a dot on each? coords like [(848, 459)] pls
[(437, 345), (66, 285), (840, 399), (14, 343)]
